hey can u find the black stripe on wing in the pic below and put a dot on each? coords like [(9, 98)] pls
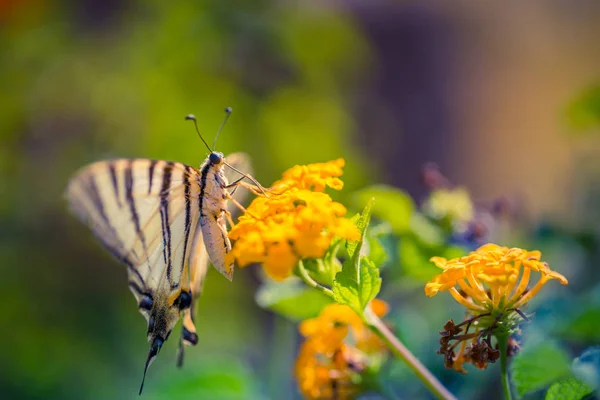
[(115, 183), (135, 218), (164, 214), (188, 209), (151, 174), (94, 195)]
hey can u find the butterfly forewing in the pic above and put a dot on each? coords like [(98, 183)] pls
[(144, 212)]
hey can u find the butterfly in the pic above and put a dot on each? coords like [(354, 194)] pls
[(165, 221)]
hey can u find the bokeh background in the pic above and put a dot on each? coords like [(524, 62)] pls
[(503, 97)]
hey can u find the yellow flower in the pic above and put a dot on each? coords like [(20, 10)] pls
[(486, 279), (296, 222), (314, 177), (491, 283), (336, 351), (454, 204)]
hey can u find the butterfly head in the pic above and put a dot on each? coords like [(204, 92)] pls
[(216, 158)]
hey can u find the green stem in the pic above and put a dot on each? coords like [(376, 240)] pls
[(401, 352), (303, 273), (503, 346)]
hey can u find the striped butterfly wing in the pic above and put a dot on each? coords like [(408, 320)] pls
[(144, 212)]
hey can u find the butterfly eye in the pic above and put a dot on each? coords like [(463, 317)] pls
[(184, 300), (215, 158), (146, 302)]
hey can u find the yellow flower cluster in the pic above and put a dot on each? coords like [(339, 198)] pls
[(335, 352), (454, 204), (489, 277), (315, 177), (297, 221)]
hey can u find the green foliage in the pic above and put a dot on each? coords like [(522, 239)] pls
[(220, 379), (568, 389), (583, 325), (358, 282), (357, 292), (584, 111), (353, 247), (291, 298), (537, 366), (393, 205), (377, 251)]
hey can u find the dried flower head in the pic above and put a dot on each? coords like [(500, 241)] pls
[(298, 221)]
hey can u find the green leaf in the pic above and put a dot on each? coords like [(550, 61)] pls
[(377, 251), (357, 293), (370, 282), (414, 260), (426, 231), (538, 366), (568, 389), (292, 299), (393, 205), (583, 326), (345, 288), (362, 223), (358, 282)]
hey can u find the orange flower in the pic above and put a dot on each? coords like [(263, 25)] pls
[(336, 352), (491, 283), (298, 221), (488, 278)]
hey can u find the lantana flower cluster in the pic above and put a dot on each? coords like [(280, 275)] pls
[(296, 221), (337, 352), (492, 283), (489, 278)]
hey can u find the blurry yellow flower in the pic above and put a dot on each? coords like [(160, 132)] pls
[(336, 351), (491, 278), (454, 204), (296, 222), (314, 177)]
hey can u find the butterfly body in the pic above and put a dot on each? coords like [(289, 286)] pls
[(213, 208)]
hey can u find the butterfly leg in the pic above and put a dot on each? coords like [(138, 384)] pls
[(241, 207), (228, 216), (257, 188)]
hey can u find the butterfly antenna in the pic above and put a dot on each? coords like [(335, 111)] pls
[(192, 117), (228, 112), (154, 349)]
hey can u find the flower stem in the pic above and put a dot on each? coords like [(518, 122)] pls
[(400, 351), (303, 273), (503, 347)]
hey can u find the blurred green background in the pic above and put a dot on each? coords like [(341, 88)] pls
[(502, 97)]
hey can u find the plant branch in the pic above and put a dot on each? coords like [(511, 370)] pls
[(400, 351), (503, 346)]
